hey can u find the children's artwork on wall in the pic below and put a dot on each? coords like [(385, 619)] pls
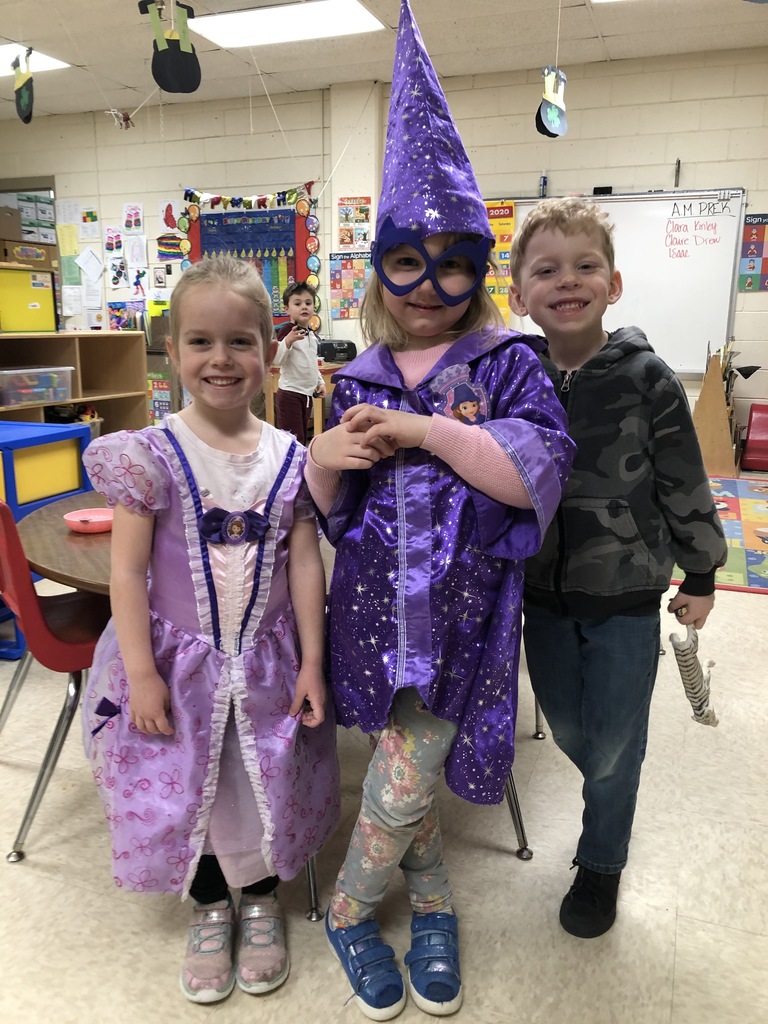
[(117, 273), (133, 217), (175, 66), (753, 263), (139, 277), (123, 316), (170, 212), (171, 246), (23, 87), (113, 241), (135, 251), (349, 275)]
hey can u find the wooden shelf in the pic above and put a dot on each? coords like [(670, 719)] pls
[(110, 368)]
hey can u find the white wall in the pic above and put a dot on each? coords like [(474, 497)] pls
[(628, 123)]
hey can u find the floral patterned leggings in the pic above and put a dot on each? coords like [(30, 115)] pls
[(398, 823)]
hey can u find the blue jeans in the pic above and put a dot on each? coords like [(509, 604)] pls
[(594, 679)]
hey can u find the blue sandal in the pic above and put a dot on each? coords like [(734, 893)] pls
[(370, 967), (434, 977)]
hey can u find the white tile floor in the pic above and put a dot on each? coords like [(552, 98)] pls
[(690, 945)]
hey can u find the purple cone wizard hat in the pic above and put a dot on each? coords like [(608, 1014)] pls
[(428, 184)]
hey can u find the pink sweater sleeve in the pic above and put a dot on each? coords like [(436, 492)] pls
[(323, 484), (478, 458)]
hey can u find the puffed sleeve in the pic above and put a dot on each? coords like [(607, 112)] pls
[(128, 471)]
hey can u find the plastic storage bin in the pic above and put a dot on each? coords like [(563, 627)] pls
[(36, 384)]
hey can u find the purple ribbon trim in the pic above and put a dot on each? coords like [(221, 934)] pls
[(218, 526)]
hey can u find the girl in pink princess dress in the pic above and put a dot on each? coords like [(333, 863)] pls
[(205, 716)]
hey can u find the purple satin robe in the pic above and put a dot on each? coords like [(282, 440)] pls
[(427, 584), (158, 791)]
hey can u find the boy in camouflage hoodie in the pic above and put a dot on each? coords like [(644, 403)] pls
[(638, 500)]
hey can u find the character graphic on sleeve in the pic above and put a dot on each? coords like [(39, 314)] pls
[(466, 405)]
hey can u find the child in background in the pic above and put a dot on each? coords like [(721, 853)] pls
[(638, 500), (205, 712), (431, 518), (300, 380)]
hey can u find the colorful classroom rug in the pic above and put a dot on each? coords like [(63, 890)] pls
[(743, 508)]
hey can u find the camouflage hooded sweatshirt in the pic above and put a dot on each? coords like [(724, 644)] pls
[(638, 499)]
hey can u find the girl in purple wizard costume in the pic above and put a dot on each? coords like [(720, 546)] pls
[(204, 715), (432, 519)]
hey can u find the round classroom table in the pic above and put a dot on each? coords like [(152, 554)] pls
[(80, 560)]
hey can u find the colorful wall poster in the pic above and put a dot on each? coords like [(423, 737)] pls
[(501, 214), (267, 238), (355, 227), (753, 261), (158, 396), (123, 316), (349, 276)]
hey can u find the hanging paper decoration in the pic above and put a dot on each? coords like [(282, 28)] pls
[(23, 88), (270, 201), (175, 66), (550, 117)]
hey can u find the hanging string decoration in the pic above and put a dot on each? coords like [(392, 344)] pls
[(122, 118), (175, 66), (550, 117), (269, 201), (23, 88)]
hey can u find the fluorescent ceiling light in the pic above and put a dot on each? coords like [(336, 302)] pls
[(606, 1), (290, 23), (37, 61)]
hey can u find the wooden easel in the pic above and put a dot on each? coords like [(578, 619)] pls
[(713, 423)]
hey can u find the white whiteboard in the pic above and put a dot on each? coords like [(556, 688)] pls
[(677, 253)]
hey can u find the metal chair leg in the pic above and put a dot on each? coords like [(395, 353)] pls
[(538, 733), (314, 913), (15, 685), (49, 763), (510, 792)]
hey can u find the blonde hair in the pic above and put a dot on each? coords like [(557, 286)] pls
[(238, 275), (572, 216), (380, 327)]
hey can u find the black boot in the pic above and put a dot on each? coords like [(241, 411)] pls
[(589, 907)]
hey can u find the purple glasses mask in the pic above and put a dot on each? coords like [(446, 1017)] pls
[(391, 236)]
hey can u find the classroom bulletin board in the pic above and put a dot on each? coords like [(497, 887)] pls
[(273, 240)]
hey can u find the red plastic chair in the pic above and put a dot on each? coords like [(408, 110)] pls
[(61, 633)]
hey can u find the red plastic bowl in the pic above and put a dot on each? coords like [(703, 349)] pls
[(89, 520)]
